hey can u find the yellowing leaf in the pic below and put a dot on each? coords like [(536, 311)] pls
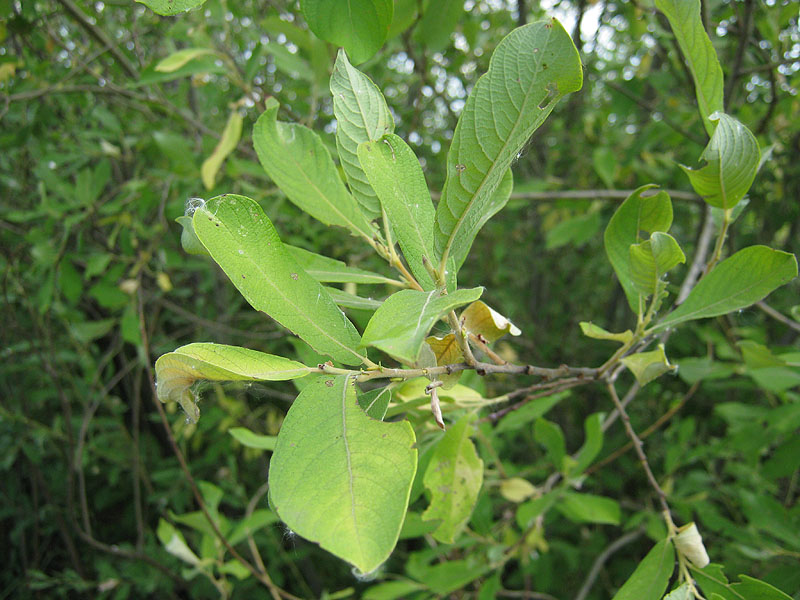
[(598, 333), (482, 320), (227, 144), (517, 489), (178, 59), (646, 366), (447, 352)]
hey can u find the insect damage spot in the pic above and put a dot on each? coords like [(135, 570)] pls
[(552, 92), (294, 276), (329, 383)]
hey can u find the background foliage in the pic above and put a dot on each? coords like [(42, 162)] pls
[(100, 152)]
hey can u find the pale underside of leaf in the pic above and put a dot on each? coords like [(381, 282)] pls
[(361, 116), (533, 63)]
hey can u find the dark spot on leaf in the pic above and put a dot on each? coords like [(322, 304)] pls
[(383, 436), (329, 383), (243, 277), (461, 168)]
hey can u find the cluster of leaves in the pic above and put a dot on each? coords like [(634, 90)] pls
[(344, 471)]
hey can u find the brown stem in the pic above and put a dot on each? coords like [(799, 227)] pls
[(637, 444)]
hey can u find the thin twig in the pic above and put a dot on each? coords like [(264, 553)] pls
[(637, 444), (601, 559), (778, 316)]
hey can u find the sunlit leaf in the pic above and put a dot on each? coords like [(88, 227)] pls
[(227, 144), (651, 577), (168, 8), (647, 366), (176, 60), (338, 477), (243, 241), (251, 439), (177, 371), (598, 333)]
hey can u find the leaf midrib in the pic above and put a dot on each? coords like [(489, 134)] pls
[(491, 169), (285, 298)]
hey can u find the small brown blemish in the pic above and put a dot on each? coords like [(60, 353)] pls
[(383, 436), (329, 383), (461, 168), (243, 277), (294, 276)]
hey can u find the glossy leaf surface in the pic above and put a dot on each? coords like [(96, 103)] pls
[(732, 158), (636, 214), (243, 241), (531, 69), (737, 282), (338, 477)]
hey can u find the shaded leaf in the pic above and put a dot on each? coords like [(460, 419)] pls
[(400, 325), (176, 60), (732, 158), (598, 333), (360, 26), (737, 282), (636, 214), (439, 19), (447, 352), (347, 300), (549, 435), (453, 477), (251, 439), (479, 318), (340, 478), (330, 270), (684, 18), (650, 579), (652, 259), (588, 508), (375, 402), (243, 241), (647, 366)]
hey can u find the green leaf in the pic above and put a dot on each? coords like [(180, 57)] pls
[(243, 241), (732, 158), (251, 439), (588, 508), (758, 356), (177, 371), (299, 163), (453, 477), (439, 19), (593, 443), (375, 402), (400, 325), (530, 412), (684, 18), (227, 144), (330, 270), (346, 300), (260, 518), (361, 116), (604, 161), (175, 543), (598, 333), (549, 435), (647, 366), (712, 581), (737, 282), (683, 592), (178, 59), (360, 26), (636, 214), (189, 241), (531, 69), (340, 478), (651, 577), (651, 259), (167, 8), (395, 174)]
